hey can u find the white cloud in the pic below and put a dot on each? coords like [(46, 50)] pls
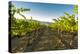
[(34, 18), (42, 19)]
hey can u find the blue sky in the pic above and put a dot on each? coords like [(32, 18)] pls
[(44, 11)]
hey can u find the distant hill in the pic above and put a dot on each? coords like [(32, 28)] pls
[(46, 23)]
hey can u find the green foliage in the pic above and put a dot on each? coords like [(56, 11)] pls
[(65, 23), (21, 26)]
